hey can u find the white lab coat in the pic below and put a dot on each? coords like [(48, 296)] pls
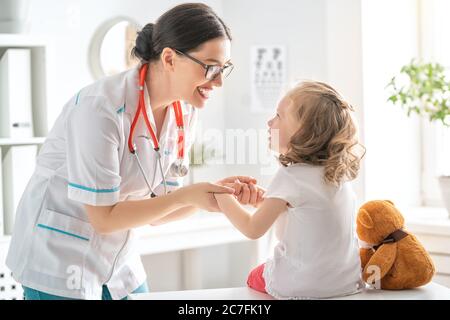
[(85, 160)]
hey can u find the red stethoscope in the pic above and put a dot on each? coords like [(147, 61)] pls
[(177, 169)]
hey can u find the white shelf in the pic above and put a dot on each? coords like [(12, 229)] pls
[(38, 79), (21, 142), (428, 220), (21, 41), (38, 47)]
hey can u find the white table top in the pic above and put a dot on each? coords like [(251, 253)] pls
[(432, 291), (243, 293)]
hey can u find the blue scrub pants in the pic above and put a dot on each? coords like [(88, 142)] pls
[(31, 294)]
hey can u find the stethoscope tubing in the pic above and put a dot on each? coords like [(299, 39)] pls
[(180, 127), (152, 192)]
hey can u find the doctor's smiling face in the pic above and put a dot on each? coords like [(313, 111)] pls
[(189, 49), (198, 72)]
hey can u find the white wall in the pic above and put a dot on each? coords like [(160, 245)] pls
[(367, 43), (390, 40), (344, 65), (300, 25)]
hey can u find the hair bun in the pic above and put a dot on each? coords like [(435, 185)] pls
[(144, 49), (184, 27)]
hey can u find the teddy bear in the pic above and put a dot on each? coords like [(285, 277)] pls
[(391, 255)]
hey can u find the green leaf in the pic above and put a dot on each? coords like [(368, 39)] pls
[(426, 93)]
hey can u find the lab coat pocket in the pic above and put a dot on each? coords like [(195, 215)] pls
[(60, 244)]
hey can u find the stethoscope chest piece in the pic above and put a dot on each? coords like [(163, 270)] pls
[(178, 169)]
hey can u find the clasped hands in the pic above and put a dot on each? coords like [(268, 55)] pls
[(246, 191)]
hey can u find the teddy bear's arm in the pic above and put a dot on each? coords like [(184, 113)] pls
[(381, 261), (365, 254)]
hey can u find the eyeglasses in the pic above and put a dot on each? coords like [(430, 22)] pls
[(212, 71)]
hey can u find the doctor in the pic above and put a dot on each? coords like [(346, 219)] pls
[(109, 163)]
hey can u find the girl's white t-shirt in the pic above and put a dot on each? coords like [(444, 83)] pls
[(317, 255)]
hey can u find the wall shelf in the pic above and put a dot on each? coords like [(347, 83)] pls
[(11, 181), (21, 142), (20, 41), (38, 48), (428, 220)]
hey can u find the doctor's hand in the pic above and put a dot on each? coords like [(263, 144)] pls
[(201, 195)]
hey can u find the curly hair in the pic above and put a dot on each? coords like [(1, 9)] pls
[(327, 134)]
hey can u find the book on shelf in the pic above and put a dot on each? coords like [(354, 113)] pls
[(15, 94)]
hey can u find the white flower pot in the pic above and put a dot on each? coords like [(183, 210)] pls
[(14, 15), (444, 183)]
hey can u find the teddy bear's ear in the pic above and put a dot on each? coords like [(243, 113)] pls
[(364, 219), (390, 202)]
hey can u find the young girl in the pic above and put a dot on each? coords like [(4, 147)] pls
[(310, 199)]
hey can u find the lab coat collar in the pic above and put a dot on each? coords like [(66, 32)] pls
[(168, 131), (132, 94)]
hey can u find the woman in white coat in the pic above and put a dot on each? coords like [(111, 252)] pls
[(73, 237)]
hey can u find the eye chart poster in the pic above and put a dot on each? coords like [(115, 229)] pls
[(268, 76)]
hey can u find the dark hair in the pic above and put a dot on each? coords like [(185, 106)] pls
[(184, 27)]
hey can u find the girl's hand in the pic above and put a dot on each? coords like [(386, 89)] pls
[(247, 193), (243, 179), (201, 195), (260, 198)]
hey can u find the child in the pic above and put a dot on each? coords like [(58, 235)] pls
[(310, 199)]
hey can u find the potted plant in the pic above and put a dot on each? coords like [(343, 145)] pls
[(423, 88)]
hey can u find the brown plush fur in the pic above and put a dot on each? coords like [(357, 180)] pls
[(403, 264)]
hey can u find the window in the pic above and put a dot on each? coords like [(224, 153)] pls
[(434, 45)]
